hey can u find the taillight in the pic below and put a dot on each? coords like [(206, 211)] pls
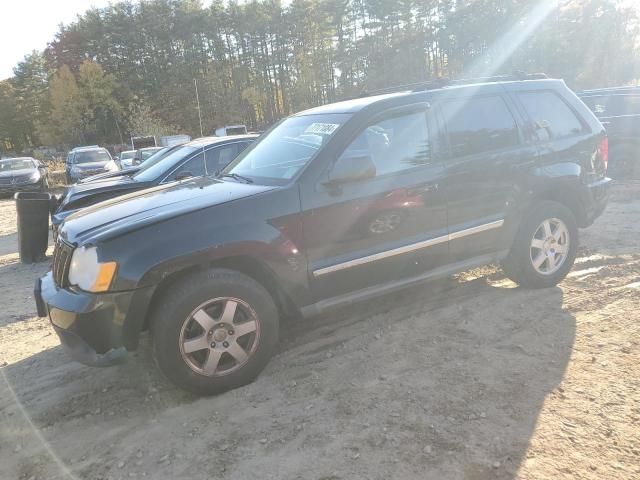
[(603, 152)]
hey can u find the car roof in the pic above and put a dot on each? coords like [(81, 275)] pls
[(151, 148), (17, 158), (358, 104), (88, 148), (205, 141)]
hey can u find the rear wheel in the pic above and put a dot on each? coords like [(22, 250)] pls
[(215, 331), (545, 247)]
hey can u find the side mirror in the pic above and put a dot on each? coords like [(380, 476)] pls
[(352, 169), (184, 175)]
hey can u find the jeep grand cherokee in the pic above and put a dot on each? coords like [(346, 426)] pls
[(333, 205)]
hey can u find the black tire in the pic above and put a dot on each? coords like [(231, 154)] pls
[(518, 265), (174, 311)]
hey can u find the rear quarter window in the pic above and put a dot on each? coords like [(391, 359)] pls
[(551, 117), (479, 124)]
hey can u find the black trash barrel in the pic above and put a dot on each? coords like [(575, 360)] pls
[(33, 225)]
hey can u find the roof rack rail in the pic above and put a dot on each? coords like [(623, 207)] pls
[(446, 82)]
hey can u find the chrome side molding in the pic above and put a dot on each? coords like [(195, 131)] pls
[(408, 248)]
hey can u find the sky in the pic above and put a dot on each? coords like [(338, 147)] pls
[(28, 25)]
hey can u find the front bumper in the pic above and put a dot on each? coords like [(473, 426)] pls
[(595, 198), (93, 328)]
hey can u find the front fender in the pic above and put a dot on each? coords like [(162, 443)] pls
[(244, 228)]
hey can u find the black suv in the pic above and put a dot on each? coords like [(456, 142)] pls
[(619, 111), (331, 206)]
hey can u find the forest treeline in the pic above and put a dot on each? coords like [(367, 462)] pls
[(130, 68)]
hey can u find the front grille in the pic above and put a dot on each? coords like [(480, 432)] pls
[(62, 254), (14, 180)]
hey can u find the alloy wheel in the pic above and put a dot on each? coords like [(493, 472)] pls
[(549, 246), (219, 336)]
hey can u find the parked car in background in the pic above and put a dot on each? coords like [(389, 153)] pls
[(126, 158), (231, 130), (203, 156), (23, 174), (157, 156), (143, 154), (474, 173), (619, 111), (143, 142), (83, 162), (171, 140)]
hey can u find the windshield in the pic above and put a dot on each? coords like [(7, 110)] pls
[(17, 164), (160, 164), (287, 148), (91, 156)]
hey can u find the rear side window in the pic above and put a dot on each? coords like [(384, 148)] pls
[(479, 124), (551, 117)]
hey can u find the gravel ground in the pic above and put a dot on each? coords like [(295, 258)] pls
[(466, 378)]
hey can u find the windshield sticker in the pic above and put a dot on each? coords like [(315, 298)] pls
[(322, 128)]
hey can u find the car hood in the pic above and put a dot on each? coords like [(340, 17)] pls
[(83, 190), (132, 211), (17, 173)]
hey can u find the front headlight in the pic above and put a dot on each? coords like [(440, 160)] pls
[(35, 176), (111, 166), (87, 273), (75, 170)]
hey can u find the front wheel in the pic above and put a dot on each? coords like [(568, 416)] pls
[(544, 248), (215, 330)]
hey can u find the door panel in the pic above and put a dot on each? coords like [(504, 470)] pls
[(366, 233), (486, 166)]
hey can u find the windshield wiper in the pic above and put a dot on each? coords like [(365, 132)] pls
[(235, 176)]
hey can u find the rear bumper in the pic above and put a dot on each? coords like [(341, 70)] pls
[(93, 328), (595, 198)]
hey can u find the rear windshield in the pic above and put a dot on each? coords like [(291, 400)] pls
[(128, 154), (91, 156), (10, 165)]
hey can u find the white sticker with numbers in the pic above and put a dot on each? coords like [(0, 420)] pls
[(322, 128)]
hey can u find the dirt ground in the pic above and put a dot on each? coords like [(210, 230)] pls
[(467, 378)]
